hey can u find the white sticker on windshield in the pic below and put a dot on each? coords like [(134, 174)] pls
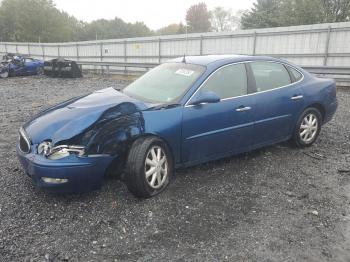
[(184, 72)]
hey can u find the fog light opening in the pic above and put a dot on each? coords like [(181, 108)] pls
[(51, 180)]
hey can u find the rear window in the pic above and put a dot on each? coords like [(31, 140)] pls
[(296, 74), (270, 75)]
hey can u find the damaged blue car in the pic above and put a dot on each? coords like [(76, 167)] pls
[(16, 65), (184, 112)]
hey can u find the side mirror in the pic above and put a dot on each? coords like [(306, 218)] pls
[(205, 97)]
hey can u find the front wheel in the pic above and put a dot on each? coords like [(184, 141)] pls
[(308, 127), (149, 167), (4, 74)]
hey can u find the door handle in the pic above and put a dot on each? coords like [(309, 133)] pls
[(243, 109), (297, 97)]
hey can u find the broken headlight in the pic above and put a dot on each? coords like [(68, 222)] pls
[(58, 152)]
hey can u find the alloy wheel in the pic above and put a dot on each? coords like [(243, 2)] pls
[(156, 167), (308, 128), (4, 74)]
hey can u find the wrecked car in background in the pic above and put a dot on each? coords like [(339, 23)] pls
[(18, 65), (4, 69), (61, 67)]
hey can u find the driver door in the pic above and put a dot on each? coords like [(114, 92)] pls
[(213, 130), (29, 65)]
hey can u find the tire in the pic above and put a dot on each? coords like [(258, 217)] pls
[(308, 127), (4, 74), (140, 162), (40, 71)]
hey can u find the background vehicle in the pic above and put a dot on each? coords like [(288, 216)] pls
[(18, 65), (61, 67), (4, 69), (184, 112)]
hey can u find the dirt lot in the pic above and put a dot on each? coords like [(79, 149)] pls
[(275, 204)]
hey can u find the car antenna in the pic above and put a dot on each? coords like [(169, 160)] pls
[(184, 57)]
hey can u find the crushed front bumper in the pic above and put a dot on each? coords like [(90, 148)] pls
[(83, 173)]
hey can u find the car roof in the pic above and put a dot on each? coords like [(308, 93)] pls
[(205, 60)]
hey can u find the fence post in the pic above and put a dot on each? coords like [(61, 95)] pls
[(159, 51), (43, 51), (125, 54), (28, 49), (17, 48), (325, 58), (101, 51), (6, 48), (101, 57), (77, 47), (201, 45), (58, 51), (254, 43)]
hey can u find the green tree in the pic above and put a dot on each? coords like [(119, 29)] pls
[(272, 13), (109, 29), (34, 20), (223, 20), (265, 13), (198, 18), (31, 20), (172, 29), (182, 29), (336, 10), (301, 12)]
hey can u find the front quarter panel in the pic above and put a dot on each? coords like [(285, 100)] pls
[(166, 124)]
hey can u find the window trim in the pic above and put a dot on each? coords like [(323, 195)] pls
[(181, 96), (288, 67), (210, 76), (223, 67), (285, 66), (247, 63)]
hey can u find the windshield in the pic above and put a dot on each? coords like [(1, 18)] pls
[(165, 83)]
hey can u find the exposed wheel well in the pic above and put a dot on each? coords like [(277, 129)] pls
[(118, 163), (158, 137)]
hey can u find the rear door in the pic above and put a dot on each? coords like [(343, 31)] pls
[(279, 101), (217, 129), (29, 65)]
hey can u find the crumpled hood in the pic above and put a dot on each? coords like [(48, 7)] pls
[(69, 119)]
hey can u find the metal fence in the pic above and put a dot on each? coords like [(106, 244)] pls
[(310, 45)]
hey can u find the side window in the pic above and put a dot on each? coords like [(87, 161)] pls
[(28, 60), (269, 75), (297, 75), (230, 81)]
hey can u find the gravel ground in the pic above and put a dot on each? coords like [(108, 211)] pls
[(274, 204)]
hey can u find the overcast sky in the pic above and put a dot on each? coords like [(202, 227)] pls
[(154, 13)]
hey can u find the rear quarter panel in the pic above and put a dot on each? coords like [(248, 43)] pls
[(321, 92)]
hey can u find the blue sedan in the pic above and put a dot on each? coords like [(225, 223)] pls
[(184, 112), (14, 65)]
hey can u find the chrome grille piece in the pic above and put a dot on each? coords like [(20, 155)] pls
[(24, 143)]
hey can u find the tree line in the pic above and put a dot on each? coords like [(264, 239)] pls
[(274, 13), (40, 20)]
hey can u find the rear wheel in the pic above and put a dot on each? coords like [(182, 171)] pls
[(149, 167), (308, 127), (40, 71)]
